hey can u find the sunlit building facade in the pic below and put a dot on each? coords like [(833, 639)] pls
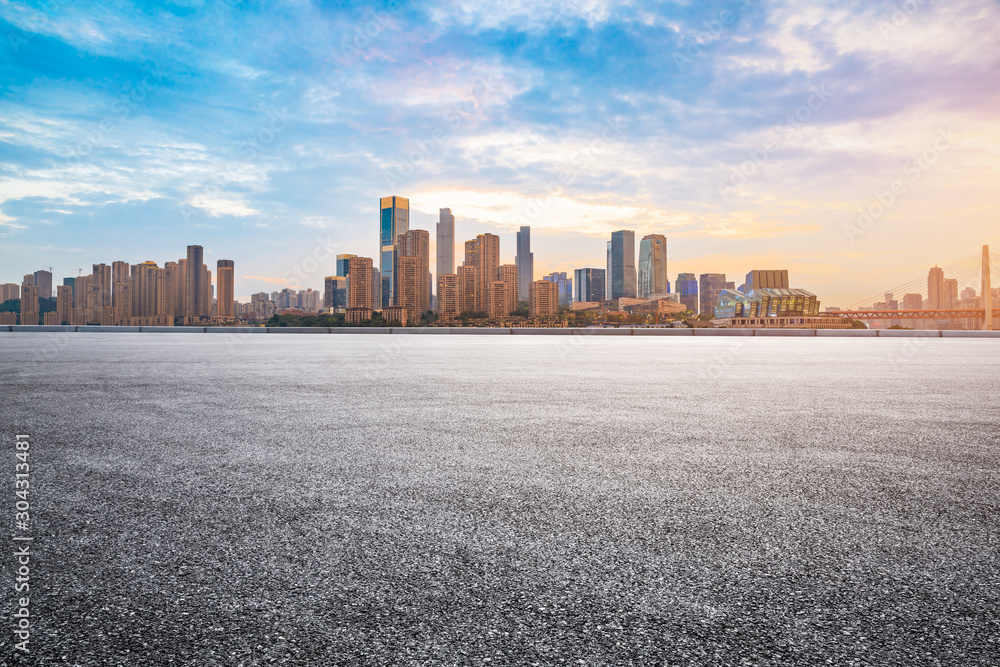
[(652, 273), (543, 298), (359, 289), (394, 221)]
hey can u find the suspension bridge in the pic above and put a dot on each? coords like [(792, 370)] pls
[(938, 296)]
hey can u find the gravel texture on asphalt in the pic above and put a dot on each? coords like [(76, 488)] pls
[(435, 500)]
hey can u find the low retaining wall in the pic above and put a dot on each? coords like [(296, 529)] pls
[(483, 331)]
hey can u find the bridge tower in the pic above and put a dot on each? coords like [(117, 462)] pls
[(987, 292)]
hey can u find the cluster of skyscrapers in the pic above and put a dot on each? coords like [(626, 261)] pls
[(402, 285), (399, 284)]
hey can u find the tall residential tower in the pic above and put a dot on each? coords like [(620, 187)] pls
[(524, 259), (445, 243)]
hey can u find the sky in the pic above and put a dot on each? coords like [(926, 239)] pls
[(855, 144)]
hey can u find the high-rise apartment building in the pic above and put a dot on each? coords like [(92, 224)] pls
[(687, 288), (589, 285), (445, 242), (524, 260), (181, 306), (376, 285), (359, 277), (194, 297), (394, 221), (148, 292), (471, 253), (81, 288), (71, 282), (95, 299), (9, 291), (652, 276), (507, 274), (623, 276), (225, 278), (206, 291), (121, 272), (564, 286), (935, 289), (29, 300), (483, 252), (710, 286), (310, 300), (122, 306), (406, 281), (64, 304), (468, 294), (496, 299), (543, 298), (447, 296), (43, 281), (173, 290), (102, 277), (120, 275), (413, 257)]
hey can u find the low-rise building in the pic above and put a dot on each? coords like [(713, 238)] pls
[(357, 315), (396, 314), (767, 300), (543, 298)]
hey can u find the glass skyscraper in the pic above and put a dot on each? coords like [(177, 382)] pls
[(393, 222), (342, 264), (622, 264), (653, 266), (564, 284), (335, 292), (589, 285)]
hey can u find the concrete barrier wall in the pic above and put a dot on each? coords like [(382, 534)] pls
[(846, 333), (496, 331)]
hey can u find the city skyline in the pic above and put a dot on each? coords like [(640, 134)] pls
[(749, 136), (186, 291)]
